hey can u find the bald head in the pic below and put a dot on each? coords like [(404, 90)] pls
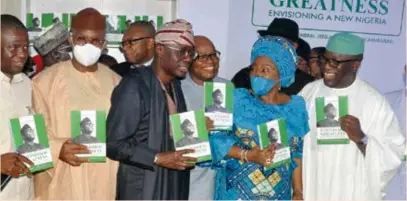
[(89, 19), (145, 27), (203, 41), (206, 66)]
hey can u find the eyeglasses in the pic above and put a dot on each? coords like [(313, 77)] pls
[(184, 52), (131, 42), (81, 40), (206, 57), (334, 62)]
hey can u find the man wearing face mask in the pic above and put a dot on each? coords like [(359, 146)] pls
[(77, 84), (138, 128), (376, 146), (53, 45)]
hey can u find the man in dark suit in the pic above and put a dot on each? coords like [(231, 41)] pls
[(287, 29), (137, 46)]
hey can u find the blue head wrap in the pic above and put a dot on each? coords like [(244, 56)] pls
[(281, 52)]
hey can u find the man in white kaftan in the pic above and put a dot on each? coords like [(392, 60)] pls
[(361, 169)]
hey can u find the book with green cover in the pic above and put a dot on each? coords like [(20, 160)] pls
[(189, 132), (88, 127), (328, 112), (218, 104), (30, 140), (275, 132)]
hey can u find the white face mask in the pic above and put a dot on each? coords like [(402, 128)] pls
[(87, 54)]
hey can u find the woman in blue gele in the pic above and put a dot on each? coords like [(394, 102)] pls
[(236, 154)]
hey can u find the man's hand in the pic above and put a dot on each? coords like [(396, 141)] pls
[(297, 196), (176, 160), (351, 126), (209, 123), (13, 164), (263, 157), (69, 151)]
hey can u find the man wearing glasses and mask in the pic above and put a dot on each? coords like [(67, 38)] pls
[(137, 46), (376, 146), (138, 128), (204, 68), (53, 45), (77, 84)]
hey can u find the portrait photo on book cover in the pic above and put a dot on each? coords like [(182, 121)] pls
[(87, 133), (30, 140), (189, 133), (218, 102), (331, 116), (274, 137)]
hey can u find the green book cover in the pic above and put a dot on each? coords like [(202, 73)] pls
[(275, 132), (218, 104), (30, 140), (88, 127), (189, 132), (328, 112)]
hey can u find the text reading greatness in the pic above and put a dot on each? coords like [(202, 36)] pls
[(358, 11)]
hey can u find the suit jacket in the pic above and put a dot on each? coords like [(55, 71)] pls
[(122, 69), (138, 129)]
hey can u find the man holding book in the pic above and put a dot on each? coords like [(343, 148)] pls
[(362, 168), (203, 69), (138, 128), (15, 98), (78, 84)]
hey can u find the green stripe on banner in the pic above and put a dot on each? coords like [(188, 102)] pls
[(46, 19), (319, 107), (160, 21), (41, 130), (176, 127), (145, 18), (201, 124), (101, 126), (263, 133), (208, 89), (75, 123), (65, 20), (283, 132), (72, 15), (16, 132), (137, 18), (229, 96), (121, 23), (343, 106), (29, 20)]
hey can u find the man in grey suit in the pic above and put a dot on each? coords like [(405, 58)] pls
[(188, 129), (217, 103), (29, 145), (330, 114), (86, 137)]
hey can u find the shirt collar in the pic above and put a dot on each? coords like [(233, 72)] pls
[(148, 63), (16, 78)]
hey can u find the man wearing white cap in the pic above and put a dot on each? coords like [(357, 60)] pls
[(361, 169), (53, 44)]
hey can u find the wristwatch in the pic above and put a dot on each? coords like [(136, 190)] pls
[(363, 141), (155, 159)]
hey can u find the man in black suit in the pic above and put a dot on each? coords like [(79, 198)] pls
[(137, 46), (287, 29)]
